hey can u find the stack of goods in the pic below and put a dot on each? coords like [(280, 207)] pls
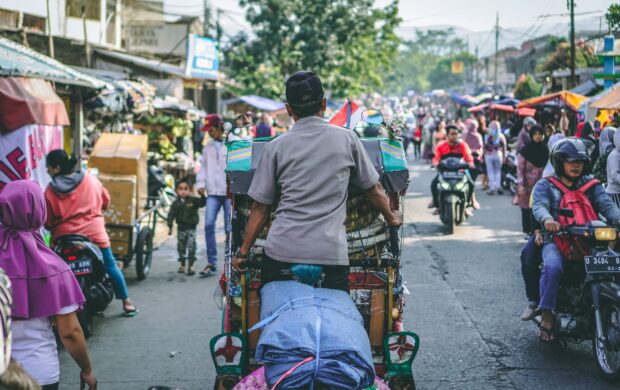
[(121, 160)]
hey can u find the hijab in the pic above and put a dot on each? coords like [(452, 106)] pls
[(587, 131), (606, 140), (42, 282), (552, 141), (536, 153), (471, 136), (495, 129)]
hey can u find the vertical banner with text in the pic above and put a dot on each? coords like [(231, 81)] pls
[(23, 151)]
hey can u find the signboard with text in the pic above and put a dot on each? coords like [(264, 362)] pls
[(202, 58), (165, 39)]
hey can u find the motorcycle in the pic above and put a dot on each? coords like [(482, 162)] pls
[(588, 305), (86, 262), (509, 173), (453, 190)]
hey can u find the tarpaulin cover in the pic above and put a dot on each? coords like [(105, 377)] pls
[(570, 99), (25, 101), (387, 156), (611, 101), (262, 103), (300, 322)]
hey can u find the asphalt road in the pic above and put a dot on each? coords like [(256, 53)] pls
[(466, 298)]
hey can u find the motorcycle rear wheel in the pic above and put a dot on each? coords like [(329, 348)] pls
[(606, 347)]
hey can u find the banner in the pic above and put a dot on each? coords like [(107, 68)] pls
[(23, 151)]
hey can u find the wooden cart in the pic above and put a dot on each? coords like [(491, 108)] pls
[(136, 240)]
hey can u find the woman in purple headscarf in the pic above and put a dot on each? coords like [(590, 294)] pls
[(473, 139), (44, 289)]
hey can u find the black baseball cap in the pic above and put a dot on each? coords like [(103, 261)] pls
[(303, 87)]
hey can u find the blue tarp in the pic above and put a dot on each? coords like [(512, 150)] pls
[(299, 320), (458, 99), (262, 103)]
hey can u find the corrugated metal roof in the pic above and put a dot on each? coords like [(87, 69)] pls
[(18, 60), (154, 65)]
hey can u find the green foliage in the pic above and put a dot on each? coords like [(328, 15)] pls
[(613, 17), (527, 87), (560, 58), (424, 63), (348, 43)]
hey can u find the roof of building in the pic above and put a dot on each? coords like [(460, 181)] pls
[(19, 61)]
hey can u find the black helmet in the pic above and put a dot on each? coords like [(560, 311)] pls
[(568, 149)]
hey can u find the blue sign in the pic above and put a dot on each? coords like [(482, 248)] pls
[(202, 58)]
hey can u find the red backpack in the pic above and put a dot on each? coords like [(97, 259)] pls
[(572, 248)]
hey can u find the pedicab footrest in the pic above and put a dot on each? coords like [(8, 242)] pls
[(228, 351)]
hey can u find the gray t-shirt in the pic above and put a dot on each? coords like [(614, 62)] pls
[(307, 172)]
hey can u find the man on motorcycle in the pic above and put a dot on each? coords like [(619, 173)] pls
[(305, 174), (453, 145), (569, 158)]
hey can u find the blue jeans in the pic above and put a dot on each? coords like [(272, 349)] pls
[(553, 266), (214, 204), (118, 280), (530, 269)]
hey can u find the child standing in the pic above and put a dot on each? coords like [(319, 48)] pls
[(185, 211)]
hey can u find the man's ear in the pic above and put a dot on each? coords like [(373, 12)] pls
[(324, 105), (289, 110)]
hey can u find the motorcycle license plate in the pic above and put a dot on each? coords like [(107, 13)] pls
[(81, 267), (602, 264), (452, 175)]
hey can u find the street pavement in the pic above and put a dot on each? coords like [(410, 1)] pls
[(466, 298)]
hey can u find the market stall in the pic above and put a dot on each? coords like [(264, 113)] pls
[(549, 107), (34, 112)]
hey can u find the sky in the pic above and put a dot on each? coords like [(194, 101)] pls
[(475, 15)]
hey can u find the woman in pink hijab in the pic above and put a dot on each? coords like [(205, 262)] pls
[(473, 139), (44, 289)]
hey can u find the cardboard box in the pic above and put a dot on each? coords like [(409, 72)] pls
[(119, 233), (122, 190), (120, 248), (123, 154)]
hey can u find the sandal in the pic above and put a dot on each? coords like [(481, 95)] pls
[(208, 271), (191, 271), (550, 332), (130, 310), (181, 269)]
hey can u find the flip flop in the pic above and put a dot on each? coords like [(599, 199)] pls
[(549, 332), (131, 312)]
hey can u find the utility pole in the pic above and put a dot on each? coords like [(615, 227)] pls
[(86, 45), (50, 39), (207, 18), (218, 26), (571, 7), (496, 52), (476, 72)]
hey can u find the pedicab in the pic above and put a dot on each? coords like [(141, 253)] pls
[(376, 283)]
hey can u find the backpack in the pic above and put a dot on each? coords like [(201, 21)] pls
[(572, 248)]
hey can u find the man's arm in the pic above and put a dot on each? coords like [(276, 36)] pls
[(378, 200), (437, 156), (201, 177), (259, 214), (541, 202)]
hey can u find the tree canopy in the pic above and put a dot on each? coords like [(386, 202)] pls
[(348, 43), (424, 62)]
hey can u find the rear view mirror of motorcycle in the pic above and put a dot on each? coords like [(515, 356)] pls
[(567, 213), (372, 117)]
